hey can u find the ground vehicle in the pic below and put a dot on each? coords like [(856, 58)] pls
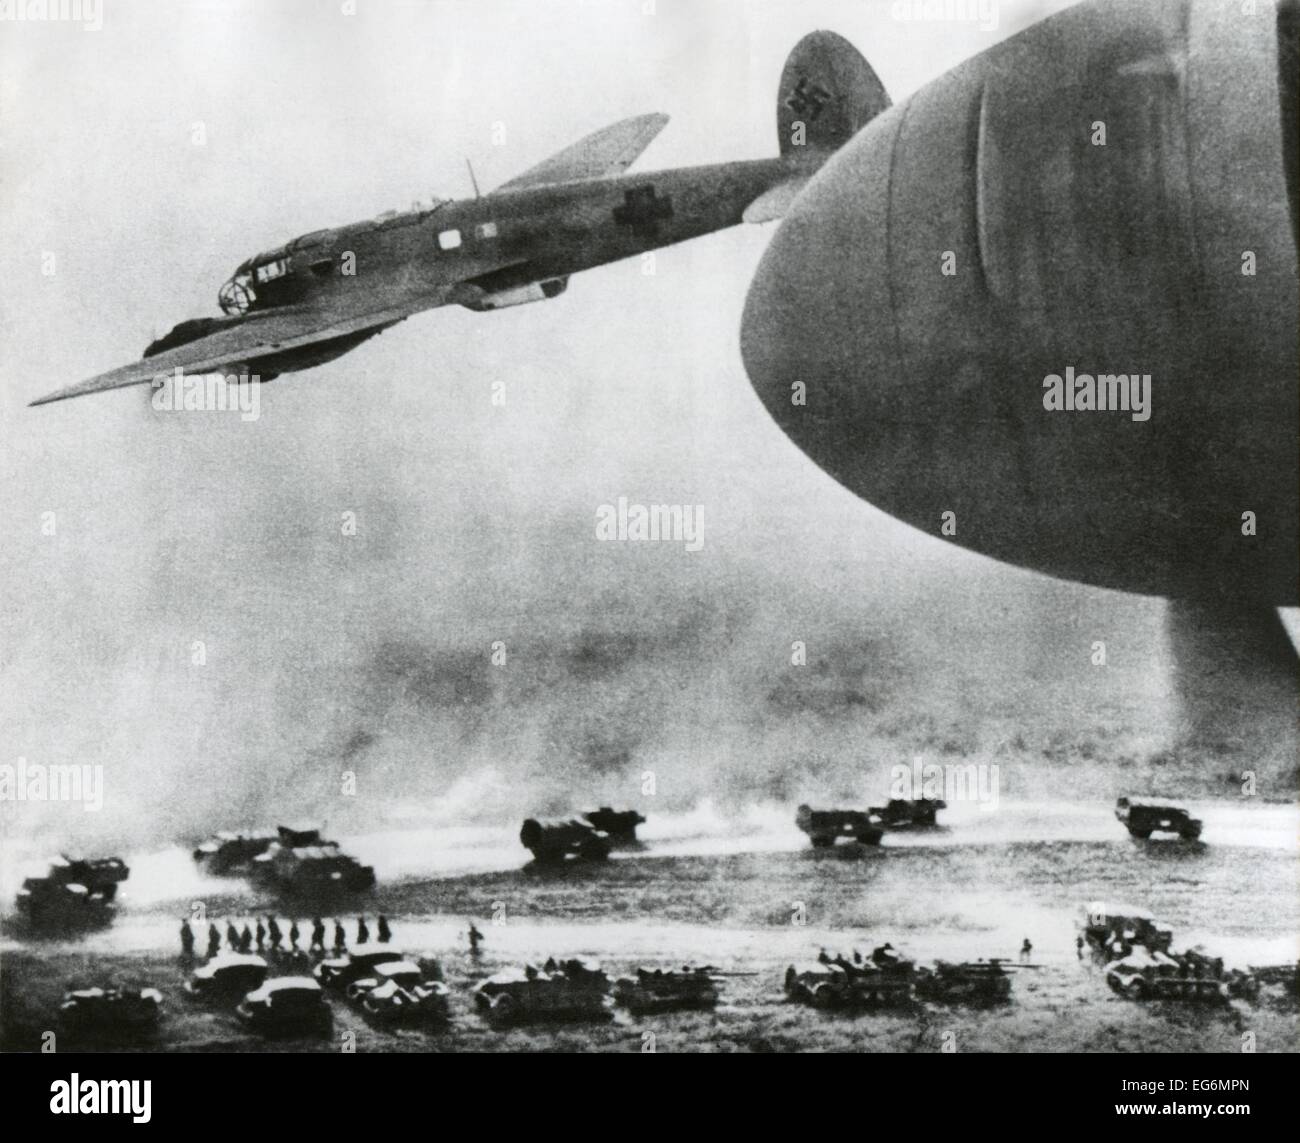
[(841, 983), (75, 893), (287, 1006), (1115, 930), (574, 989), (825, 827), (339, 972), (1145, 975), (111, 1010), (422, 1003), (556, 841), (405, 973), (970, 982), (899, 813), (302, 863), (654, 990), (1142, 818), (228, 977), (228, 854), (620, 825)]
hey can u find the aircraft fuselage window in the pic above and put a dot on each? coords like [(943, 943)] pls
[(272, 270), (486, 230), (449, 239)]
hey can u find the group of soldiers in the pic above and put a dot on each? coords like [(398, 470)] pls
[(270, 936)]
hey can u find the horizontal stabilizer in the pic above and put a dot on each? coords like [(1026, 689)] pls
[(601, 155), (773, 203)]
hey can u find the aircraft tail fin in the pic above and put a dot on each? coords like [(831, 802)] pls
[(828, 94)]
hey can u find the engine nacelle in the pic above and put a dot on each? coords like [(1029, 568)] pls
[(483, 301)]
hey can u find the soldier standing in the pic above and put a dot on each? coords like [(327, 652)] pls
[(261, 934), (318, 934), (293, 934), (1026, 949), (385, 933), (475, 939), (245, 938), (187, 939), (214, 940), (1078, 946), (363, 932), (273, 928), (340, 937), (232, 936)]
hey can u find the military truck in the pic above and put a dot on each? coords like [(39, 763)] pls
[(556, 841), (838, 982), (302, 863), (969, 982), (230, 854), (657, 990), (825, 827), (620, 825), (75, 893), (569, 990), (1142, 818), (111, 1011), (1114, 931), (900, 813), (400, 993)]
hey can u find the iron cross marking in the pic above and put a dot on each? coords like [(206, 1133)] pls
[(643, 210), (807, 100)]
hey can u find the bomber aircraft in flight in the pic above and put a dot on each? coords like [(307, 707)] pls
[(322, 294)]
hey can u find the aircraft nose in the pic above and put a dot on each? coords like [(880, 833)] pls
[(1079, 198)]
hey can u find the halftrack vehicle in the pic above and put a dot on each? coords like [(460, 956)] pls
[(970, 982), (75, 893), (1142, 818), (657, 990), (1146, 975), (620, 825), (825, 827), (300, 862), (840, 984), (552, 842), (571, 990)]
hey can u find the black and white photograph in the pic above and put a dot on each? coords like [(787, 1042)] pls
[(650, 527)]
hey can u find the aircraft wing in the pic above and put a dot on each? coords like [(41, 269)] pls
[(242, 342), (602, 154)]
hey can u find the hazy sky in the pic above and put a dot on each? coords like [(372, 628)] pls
[(150, 157)]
